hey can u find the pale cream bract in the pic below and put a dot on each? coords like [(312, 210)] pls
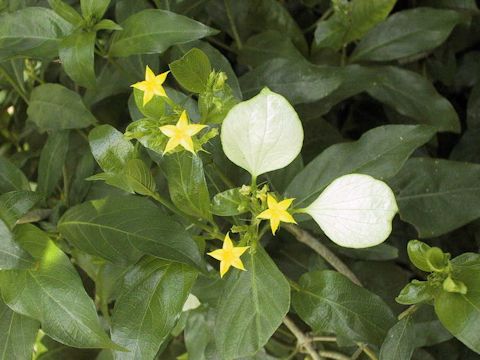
[(355, 211), (262, 134)]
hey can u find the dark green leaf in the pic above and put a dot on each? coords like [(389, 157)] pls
[(415, 292), (414, 96), (77, 56), (53, 294), (12, 256), (17, 333), (54, 107), (186, 183), (149, 305), (400, 341), (154, 31), (192, 70), (267, 45), (94, 9), (11, 178), (66, 11), (125, 227), (328, 301), (298, 81), (51, 163), (109, 147), (460, 313), (32, 32), (351, 21), (252, 306), (230, 203), (218, 61), (407, 33), (139, 177), (380, 152), (15, 204), (427, 189)]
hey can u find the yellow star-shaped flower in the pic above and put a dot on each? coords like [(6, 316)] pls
[(181, 133), (152, 85), (277, 212), (229, 255)]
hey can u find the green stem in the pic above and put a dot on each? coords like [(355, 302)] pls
[(222, 176), (236, 37), (307, 239), (410, 310), (14, 85)]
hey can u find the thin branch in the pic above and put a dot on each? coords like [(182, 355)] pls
[(306, 238), (333, 355), (302, 339)]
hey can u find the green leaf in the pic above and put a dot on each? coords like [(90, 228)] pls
[(269, 44), (417, 253), (252, 306), (414, 96), (12, 256), (107, 24), (380, 152), (154, 109), (54, 107), (217, 60), (126, 227), (154, 31), (351, 21), (31, 32), (11, 178), (192, 70), (407, 33), (416, 292), (77, 56), (52, 159), (53, 294), (15, 204), (18, 334), (80, 186), (329, 302), (149, 305), (400, 341), (460, 313), (110, 148), (427, 189), (66, 11), (186, 183), (298, 81), (230, 203), (139, 177), (94, 9)]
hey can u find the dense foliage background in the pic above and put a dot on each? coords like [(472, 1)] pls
[(397, 84)]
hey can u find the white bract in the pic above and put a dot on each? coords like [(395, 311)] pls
[(355, 211), (262, 134)]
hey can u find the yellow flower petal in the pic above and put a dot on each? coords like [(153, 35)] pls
[(285, 204), (171, 144), (277, 212), (149, 74), (229, 255), (224, 266), (274, 223), (181, 133), (152, 85), (147, 96), (237, 263)]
